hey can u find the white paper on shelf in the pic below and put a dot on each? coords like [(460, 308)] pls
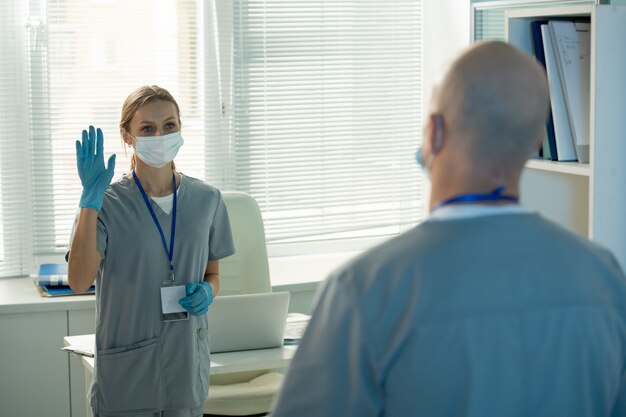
[(562, 131), (572, 48)]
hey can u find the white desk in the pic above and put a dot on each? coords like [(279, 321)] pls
[(36, 326), (19, 295), (221, 363)]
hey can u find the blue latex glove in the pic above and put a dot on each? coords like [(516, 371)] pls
[(199, 298), (90, 162)]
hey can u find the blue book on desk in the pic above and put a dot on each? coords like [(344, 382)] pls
[(550, 151), (52, 281)]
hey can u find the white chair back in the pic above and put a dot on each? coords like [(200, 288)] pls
[(246, 271)]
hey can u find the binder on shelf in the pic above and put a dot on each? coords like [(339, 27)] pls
[(572, 49), (51, 281), (549, 142), (562, 131), (546, 152)]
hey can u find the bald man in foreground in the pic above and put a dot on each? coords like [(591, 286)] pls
[(485, 308)]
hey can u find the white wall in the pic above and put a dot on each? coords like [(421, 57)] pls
[(446, 32)]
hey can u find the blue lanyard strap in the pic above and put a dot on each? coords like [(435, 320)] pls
[(495, 195), (170, 252)]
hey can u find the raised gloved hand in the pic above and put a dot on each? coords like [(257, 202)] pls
[(199, 298), (90, 162)]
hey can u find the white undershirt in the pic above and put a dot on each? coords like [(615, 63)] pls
[(465, 211), (166, 203)]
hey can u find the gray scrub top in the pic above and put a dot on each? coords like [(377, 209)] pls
[(499, 315), (142, 363)]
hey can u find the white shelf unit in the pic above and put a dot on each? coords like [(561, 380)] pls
[(589, 199)]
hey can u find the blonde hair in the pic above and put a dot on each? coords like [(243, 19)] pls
[(138, 99)]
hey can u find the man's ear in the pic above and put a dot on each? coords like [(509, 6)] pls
[(435, 132)]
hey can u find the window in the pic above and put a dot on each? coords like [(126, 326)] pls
[(314, 108), (14, 146), (81, 70), (489, 24), (326, 115)]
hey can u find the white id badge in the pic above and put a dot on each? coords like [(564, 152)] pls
[(171, 293)]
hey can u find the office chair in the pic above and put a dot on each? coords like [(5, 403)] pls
[(245, 272)]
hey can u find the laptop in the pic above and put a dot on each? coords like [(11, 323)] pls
[(247, 321)]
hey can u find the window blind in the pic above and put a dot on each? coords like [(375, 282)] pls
[(326, 115), (311, 107), (489, 24), (14, 208), (82, 69)]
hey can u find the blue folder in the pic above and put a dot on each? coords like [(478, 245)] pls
[(52, 281)]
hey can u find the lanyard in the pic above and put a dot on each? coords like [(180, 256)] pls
[(170, 252), (495, 195)]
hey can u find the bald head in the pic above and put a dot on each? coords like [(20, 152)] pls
[(494, 102)]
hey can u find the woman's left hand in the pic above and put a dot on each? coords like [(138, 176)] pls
[(199, 298)]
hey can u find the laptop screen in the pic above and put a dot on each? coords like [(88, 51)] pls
[(247, 321)]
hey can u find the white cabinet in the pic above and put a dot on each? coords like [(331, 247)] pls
[(79, 322), (589, 199), (36, 378), (34, 372)]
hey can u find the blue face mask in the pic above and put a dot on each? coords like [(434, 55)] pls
[(420, 159), (422, 164), (158, 151)]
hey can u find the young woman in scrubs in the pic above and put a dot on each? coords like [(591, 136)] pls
[(152, 242)]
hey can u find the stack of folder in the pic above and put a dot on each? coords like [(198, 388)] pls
[(564, 48), (52, 281)]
